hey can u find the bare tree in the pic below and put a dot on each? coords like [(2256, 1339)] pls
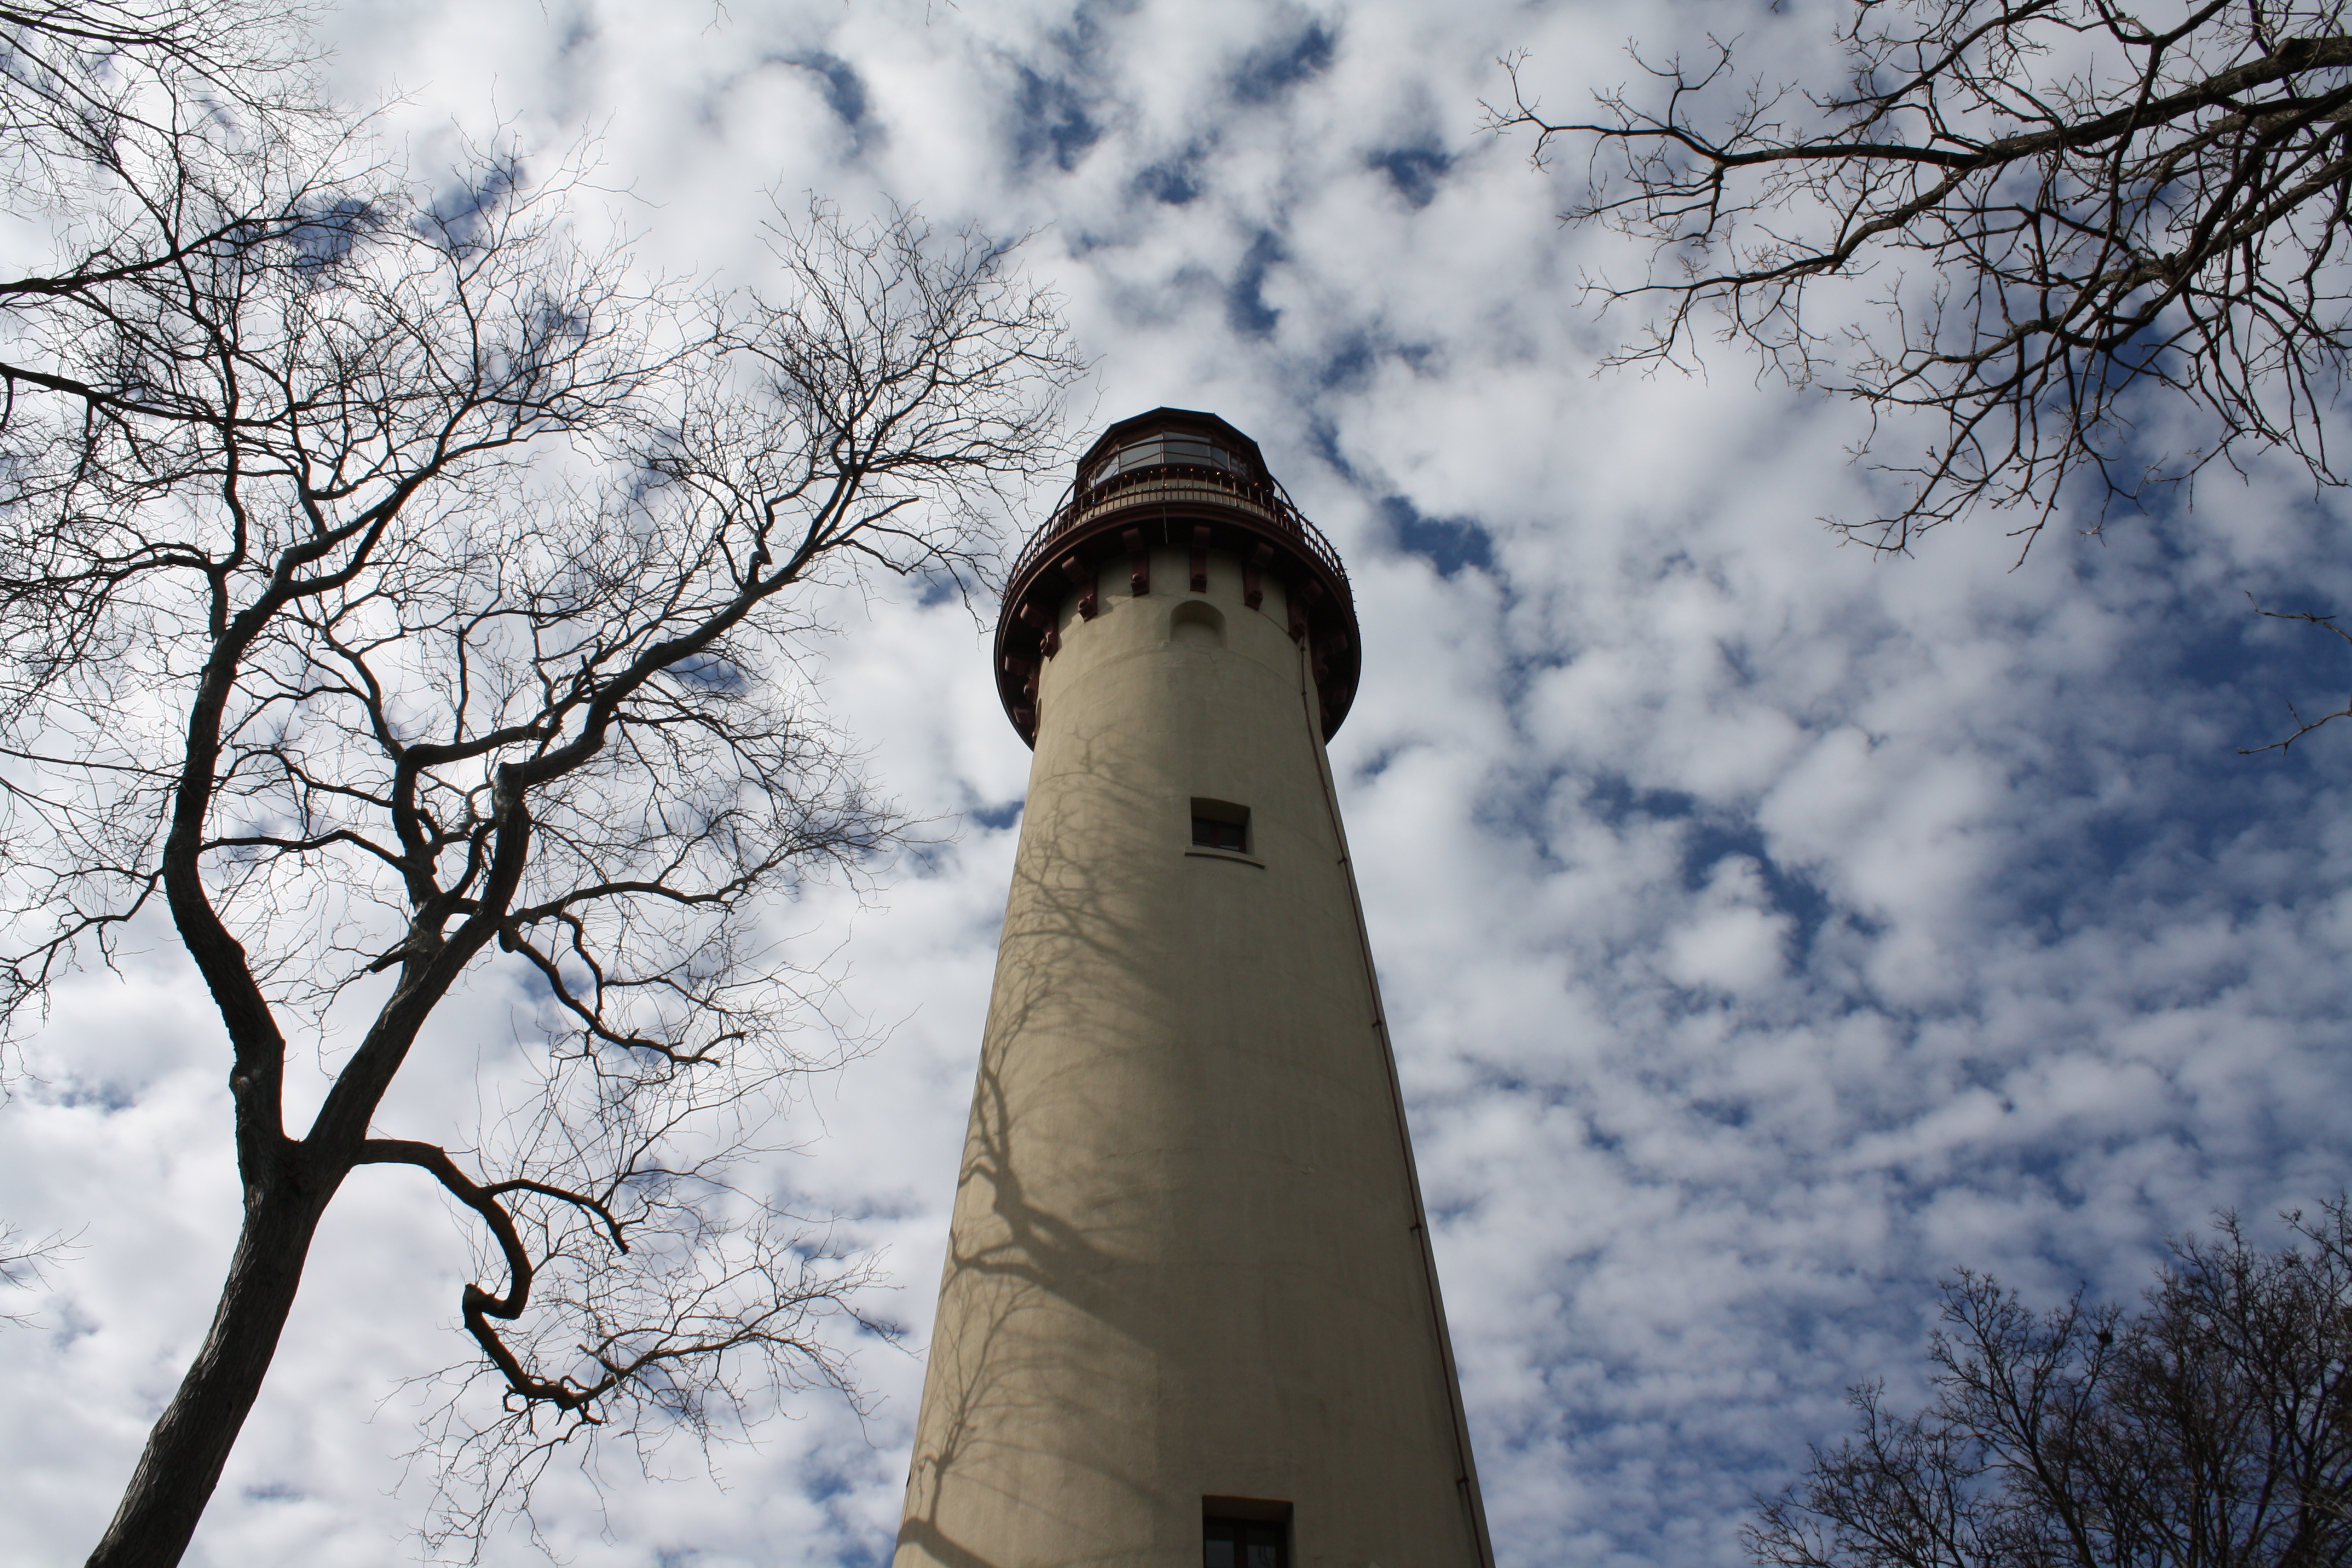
[(2033, 221), (396, 597), (2302, 726), (140, 132), (25, 1264), (2211, 1429)]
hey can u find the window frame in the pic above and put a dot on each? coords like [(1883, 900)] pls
[(1271, 1516), (1222, 818), (1157, 451), (1241, 1528)]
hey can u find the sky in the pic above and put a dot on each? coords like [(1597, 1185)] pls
[(1767, 929)]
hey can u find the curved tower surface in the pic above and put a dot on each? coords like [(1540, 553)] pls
[(1189, 1313)]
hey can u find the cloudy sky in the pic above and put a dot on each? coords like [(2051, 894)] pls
[(1767, 929)]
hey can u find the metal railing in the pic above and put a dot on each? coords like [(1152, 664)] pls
[(1174, 483)]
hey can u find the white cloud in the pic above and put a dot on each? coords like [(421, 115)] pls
[(1767, 929)]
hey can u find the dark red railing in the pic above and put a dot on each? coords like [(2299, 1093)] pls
[(1261, 498)]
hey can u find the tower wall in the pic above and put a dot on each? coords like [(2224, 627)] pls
[(1187, 1257)]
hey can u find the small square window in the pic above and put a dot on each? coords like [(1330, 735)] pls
[(1208, 833), (1221, 824), (1245, 1533), (1242, 1543)]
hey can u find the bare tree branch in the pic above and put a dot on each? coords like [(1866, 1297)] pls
[(25, 1265), (2063, 215), (2211, 1429), (411, 596), (2302, 726)]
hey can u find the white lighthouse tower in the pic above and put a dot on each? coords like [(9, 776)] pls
[(1189, 1314)]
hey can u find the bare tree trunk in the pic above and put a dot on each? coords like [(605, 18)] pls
[(190, 1443), (627, 709)]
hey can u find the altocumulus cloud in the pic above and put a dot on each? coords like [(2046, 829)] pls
[(1767, 929)]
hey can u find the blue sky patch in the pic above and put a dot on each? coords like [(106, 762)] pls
[(996, 818), (844, 94), (1448, 543), (1269, 73), (1050, 119), (1245, 306), (1172, 182), (1415, 172)]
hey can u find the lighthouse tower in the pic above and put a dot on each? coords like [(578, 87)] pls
[(1189, 1314)]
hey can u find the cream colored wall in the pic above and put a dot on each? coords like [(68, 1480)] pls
[(1186, 1259)]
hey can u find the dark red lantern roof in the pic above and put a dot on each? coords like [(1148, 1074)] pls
[(1173, 477)]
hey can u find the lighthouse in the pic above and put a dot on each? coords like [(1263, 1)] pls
[(1189, 1314)]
